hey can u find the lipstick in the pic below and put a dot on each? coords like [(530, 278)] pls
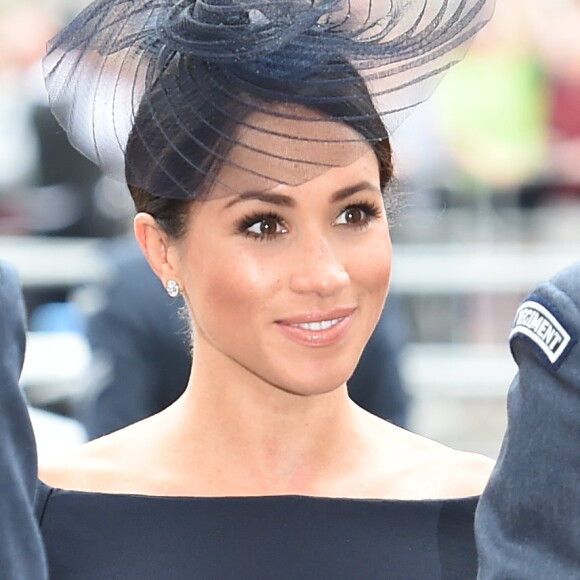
[(318, 329)]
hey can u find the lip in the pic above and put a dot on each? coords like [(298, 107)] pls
[(320, 337)]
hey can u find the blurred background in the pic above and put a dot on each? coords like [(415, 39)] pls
[(488, 192)]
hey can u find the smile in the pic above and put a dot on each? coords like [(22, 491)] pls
[(322, 325), (318, 329)]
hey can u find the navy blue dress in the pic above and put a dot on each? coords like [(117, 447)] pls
[(100, 536)]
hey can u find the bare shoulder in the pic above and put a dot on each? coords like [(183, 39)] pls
[(448, 472), (461, 473), (92, 466), (426, 469)]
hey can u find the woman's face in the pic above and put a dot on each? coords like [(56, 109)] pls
[(288, 283)]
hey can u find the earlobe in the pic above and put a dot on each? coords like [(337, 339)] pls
[(154, 244)]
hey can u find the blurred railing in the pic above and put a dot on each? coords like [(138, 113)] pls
[(460, 268)]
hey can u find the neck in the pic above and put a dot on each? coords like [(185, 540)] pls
[(267, 439)]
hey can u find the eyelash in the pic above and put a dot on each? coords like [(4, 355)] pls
[(246, 223), (370, 210)]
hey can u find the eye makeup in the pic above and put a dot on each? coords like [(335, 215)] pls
[(264, 225)]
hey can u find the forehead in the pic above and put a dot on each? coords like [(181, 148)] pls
[(287, 145)]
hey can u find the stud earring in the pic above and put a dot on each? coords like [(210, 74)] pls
[(172, 288)]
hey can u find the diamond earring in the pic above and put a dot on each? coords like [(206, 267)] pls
[(172, 288)]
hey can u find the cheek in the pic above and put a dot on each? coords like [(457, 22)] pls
[(229, 288), (371, 266), (382, 263)]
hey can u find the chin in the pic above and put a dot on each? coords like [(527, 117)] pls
[(313, 379), (315, 371), (307, 390)]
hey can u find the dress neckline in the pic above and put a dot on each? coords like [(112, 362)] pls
[(50, 490)]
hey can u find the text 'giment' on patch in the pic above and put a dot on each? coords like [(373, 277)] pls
[(536, 322)]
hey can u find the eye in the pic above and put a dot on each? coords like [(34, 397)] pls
[(265, 227), (353, 215), (262, 226), (357, 215)]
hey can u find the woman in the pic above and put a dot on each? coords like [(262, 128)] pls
[(257, 158)]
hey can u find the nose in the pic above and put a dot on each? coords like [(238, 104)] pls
[(318, 269)]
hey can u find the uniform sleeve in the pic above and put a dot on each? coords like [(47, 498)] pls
[(21, 552), (528, 519)]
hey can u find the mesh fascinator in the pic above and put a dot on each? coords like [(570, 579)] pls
[(170, 94)]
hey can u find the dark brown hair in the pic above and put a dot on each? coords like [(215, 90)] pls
[(171, 214)]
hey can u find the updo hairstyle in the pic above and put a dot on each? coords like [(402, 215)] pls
[(214, 112)]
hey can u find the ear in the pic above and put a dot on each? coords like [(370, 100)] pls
[(157, 247)]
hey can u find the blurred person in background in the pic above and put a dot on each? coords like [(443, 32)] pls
[(556, 26), (491, 111), (24, 29), (21, 551), (141, 352), (48, 187)]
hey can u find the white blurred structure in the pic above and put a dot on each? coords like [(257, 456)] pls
[(54, 433)]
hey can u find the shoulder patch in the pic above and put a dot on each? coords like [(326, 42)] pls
[(541, 326)]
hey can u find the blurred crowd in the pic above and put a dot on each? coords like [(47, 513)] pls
[(505, 123), (46, 187)]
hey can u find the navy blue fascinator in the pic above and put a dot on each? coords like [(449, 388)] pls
[(155, 91)]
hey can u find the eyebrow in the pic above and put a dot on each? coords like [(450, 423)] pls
[(287, 201)]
